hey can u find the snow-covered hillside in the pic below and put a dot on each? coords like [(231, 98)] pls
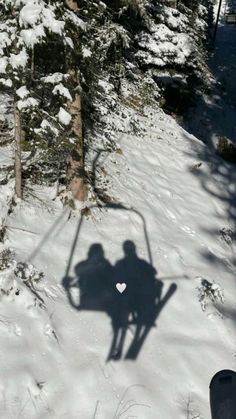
[(53, 356)]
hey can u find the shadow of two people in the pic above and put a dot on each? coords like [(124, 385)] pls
[(139, 304)]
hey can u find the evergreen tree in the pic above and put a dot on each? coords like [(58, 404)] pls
[(111, 56), (37, 66)]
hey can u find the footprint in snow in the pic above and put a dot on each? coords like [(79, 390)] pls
[(188, 230), (17, 330), (171, 216)]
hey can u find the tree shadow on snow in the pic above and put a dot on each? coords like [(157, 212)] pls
[(214, 113), (136, 308), (217, 177)]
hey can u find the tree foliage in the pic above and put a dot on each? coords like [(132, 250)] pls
[(115, 53), (39, 49)]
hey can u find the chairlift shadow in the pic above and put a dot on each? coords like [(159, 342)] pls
[(138, 306)]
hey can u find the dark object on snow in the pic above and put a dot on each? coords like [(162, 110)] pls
[(223, 395), (226, 149)]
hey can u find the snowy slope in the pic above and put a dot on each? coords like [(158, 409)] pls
[(53, 358), (214, 115)]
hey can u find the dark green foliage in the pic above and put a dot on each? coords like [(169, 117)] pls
[(226, 150), (117, 49)]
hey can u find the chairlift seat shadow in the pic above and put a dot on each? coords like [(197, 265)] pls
[(96, 302)]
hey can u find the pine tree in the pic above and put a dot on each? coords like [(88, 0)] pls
[(52, 62), (37, 66)]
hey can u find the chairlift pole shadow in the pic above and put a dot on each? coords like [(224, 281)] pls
[(46, 236)]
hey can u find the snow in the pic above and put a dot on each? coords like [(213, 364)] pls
[(6, 82), (75, 19), (152, 178), (30, 102), (22, 92), (4, 40), (30, 14), (64, 116), (32, 36), (51, 23), (46, 125), (33, 17), (164, 46), (107, 87), (19, 60), (3, 65), (34, 12), (62, 90), (175, 20), (86, 52), (69, 42), (55, 78)]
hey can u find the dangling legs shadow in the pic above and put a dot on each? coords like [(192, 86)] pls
[(119, 314), (117, 344), (146, 322)]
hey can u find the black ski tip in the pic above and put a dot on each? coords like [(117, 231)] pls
[(223, 395), (223, 376)]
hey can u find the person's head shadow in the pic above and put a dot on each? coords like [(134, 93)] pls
[(129, 249), (96, 251)]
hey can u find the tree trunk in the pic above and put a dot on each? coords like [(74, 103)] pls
[(72, 4), (78, 185), (77, 182), (18, 168)]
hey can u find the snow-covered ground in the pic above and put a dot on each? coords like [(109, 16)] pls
[(54, 357)]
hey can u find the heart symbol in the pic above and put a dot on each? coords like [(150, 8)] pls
[(120, 287)]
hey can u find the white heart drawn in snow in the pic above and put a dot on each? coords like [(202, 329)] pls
[(120, 287)]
